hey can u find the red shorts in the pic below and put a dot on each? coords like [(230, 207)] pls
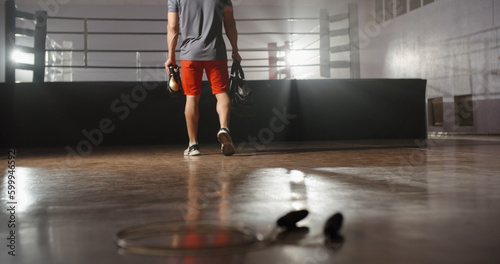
[(192, 73)]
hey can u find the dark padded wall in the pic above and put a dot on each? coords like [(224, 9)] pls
[(56, 114), (362, 109)]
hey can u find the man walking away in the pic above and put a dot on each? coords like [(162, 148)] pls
[(200, 24)]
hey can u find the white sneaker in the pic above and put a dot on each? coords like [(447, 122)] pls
[(193, 150), (224, 138)]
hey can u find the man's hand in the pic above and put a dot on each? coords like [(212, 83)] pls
[(169, 62), (231, 31), (172, 37), (237, 57)]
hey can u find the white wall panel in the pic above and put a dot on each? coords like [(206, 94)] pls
[(451, 43)]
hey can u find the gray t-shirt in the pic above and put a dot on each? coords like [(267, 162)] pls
[(201, 24)]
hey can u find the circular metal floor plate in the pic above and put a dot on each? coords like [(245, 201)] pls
[(192, 238)]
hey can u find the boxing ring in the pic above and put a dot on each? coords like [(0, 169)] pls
[(55, 54), (65, 111)]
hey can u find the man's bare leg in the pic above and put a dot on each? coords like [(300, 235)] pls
[(223, 109), (192, 114), (224, 136)]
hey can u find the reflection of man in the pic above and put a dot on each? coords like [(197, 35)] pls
[(200, 24), (200, 196)]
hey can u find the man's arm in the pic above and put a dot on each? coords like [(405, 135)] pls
[(172, 37), (231, 32)]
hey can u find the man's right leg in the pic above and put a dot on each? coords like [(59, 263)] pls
[(223, 108), (218, 77)]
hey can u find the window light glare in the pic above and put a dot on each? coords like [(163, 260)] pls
[(22, 57)]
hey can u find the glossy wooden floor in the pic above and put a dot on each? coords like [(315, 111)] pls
[(436, 204)]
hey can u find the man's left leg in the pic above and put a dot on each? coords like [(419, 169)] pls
[(192, 113), (192, 72)]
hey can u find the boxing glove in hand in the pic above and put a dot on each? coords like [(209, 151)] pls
[(174, 85)]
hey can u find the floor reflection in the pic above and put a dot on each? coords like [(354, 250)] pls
[(202, 192), (443, 200)]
